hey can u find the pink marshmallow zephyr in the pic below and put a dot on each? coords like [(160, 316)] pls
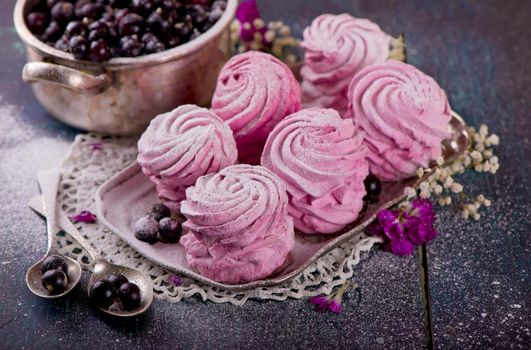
[(253, 93), (321, 160), (404, 114), (336, 48), (238, 228), (182, 145)]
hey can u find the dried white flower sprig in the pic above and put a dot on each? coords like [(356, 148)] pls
[(442, 185)]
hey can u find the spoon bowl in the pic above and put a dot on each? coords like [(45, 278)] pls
[(103, 269), (34, 278)]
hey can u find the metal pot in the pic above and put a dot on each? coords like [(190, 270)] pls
[(122, 95)]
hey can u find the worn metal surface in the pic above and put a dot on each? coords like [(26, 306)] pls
[(122, 95), (477, 50)]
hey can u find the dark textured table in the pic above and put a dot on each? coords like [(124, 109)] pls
[(479, 51)]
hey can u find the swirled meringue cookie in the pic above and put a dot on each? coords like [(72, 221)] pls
[(237, 223), (336, 48), (404, 114), (253, 93), (182, 145), (321, 161)]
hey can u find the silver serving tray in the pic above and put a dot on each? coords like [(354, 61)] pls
[(129, 194)]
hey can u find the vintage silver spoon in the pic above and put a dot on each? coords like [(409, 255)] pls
[(49, 183), (102, 268)]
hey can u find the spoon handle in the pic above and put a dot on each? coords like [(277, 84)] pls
[(69, 228), (49, 183), (36, 203)]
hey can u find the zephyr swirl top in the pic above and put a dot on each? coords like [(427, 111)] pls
[(404, 114), (336, 48), (237, 223), (182, 145), (321, 160), (253, 93)]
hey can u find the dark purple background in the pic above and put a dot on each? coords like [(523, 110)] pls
[(479, 51)]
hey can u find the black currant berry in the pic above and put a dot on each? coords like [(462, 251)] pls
[(158, 210), (130, 295), (99, 51), (169, 230), (75, 28), (54, 262), (103, 294), (98, 30), (131, 24), (37, 22), (53, 32), (90, 10), (373, 187), (62, 12), (146, 229), (62, 44), (55, 281), (79, 46), (117, 280)]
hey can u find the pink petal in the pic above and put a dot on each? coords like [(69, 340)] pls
[(84, 216), (318, 300), (176, 280), (335, 306), (96, 146)]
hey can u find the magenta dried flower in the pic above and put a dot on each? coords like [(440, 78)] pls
[(424, 233), (84, 216), (246, 14), (401, 247), (96, 146), (335, 306), (176, 280), (332, 302), (423, 209), (408, 226), (320, 301)]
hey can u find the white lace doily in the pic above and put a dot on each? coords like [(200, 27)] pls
[(87, 167)]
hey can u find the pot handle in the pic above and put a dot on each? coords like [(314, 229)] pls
[(71, 78)]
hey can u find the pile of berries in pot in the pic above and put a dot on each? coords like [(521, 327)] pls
[(99, 30), (54, 274), (158, 226)]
